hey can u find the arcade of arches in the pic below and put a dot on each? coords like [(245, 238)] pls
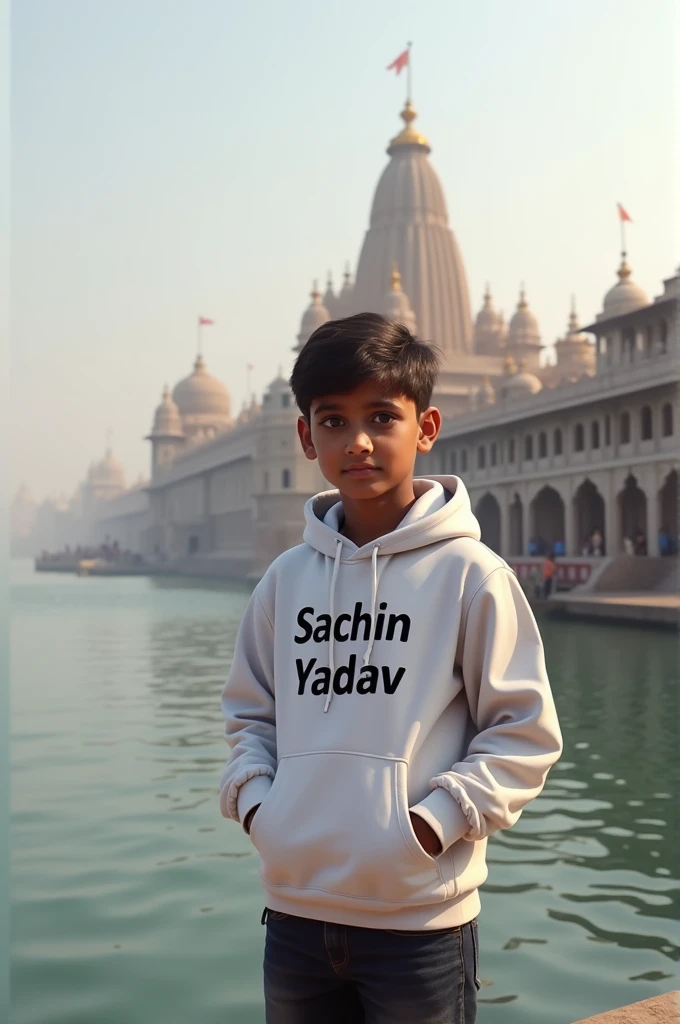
[(546, 519)]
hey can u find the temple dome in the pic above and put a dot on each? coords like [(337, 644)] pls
[(624, 296), (313, 317), (409, 226), (167, 421), (203, 402), (489, 328), (397, 306), (108, 473), (523, 327), (518, 382)]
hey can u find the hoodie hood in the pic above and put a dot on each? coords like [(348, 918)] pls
[(441, 511)]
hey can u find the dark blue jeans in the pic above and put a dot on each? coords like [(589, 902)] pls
[(321, 973)]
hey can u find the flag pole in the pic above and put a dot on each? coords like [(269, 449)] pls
[(623, 236), (198, 338), (408, 73)]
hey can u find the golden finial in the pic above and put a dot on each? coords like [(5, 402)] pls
[(522, 304), (487, 296), (347, 276), (315, 293), (624, 270), (510, 365), (395, 279), (408, 136), (573, 317), (199, 365)]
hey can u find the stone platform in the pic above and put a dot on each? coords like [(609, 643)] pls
[(658, 1010), (641, 608)]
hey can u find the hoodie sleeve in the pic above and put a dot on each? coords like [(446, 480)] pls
[(518, 738), (249, 713)]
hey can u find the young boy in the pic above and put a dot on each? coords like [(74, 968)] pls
[(387, 707)]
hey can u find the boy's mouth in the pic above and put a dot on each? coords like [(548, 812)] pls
[(361, 469)]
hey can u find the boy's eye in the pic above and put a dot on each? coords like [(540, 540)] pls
[(384, 418), (332, 421)]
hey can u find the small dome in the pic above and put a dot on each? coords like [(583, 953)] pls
[(523, 328), (625, 296), (519, 382), (489, 331), (313, 317), (108, 473), (575, 351), (485, 394), (167, 421), (330, 299), (397, 306), (200, 396)]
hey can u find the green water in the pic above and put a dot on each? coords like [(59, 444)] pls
[(134, 902)]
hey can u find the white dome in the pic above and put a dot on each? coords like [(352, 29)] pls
[(397, 306), (523, 327), (313, 317), (519, 382), (167, 421), (108, 473), (489, 328), (203, 401), (625, 296)]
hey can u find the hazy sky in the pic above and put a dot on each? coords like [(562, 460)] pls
[(171, 158)]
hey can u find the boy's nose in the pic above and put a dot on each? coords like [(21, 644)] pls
[(359, 444)]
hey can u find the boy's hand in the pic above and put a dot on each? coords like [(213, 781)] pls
[(426, 836), (249, 817)]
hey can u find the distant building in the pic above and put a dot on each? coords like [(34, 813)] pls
[(551, 452)]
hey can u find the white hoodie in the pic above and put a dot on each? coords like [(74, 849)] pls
[(367, 682)]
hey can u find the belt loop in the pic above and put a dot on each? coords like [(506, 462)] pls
[(265, 912)]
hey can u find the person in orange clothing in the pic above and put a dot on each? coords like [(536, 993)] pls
[(549, 567)]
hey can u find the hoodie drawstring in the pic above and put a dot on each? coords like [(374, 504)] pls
[(331, 609), (374, 604)]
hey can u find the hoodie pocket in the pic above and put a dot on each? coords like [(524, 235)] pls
[(339, 822)]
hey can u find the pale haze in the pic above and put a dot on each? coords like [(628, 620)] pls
[(173, 159)]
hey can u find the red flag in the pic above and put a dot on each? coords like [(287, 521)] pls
[(203, 321), (399, 62), (623, 215)]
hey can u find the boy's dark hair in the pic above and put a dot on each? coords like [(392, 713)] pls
[(342, 354)]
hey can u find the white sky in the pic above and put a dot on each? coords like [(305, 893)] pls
[(171, 159)]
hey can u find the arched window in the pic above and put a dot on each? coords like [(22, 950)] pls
[(607, 430), (648, 341), (453, 462), (579, 438), (557, 441), (663, 337), (285, 478), (463, 461), (667, 420), (528, 447), (511, 450), (542, 445), (595, 434), (481, 457), (494, 454), (624, 428), (646, 431)]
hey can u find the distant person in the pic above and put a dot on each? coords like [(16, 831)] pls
[(665, 542), (549, 567), (587, 547), (597, 544), (355, 680), (640, 542), (558, 548), (532, 547)]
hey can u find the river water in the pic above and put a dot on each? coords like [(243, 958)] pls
[(135, 902)]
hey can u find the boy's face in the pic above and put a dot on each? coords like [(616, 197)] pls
[(366, 441)]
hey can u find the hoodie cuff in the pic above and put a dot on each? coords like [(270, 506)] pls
[(444, 815), (250, 793)]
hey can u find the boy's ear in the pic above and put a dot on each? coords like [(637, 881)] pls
[(305, 435), (430, 425)]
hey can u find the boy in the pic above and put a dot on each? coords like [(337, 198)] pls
[(387, 707)]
